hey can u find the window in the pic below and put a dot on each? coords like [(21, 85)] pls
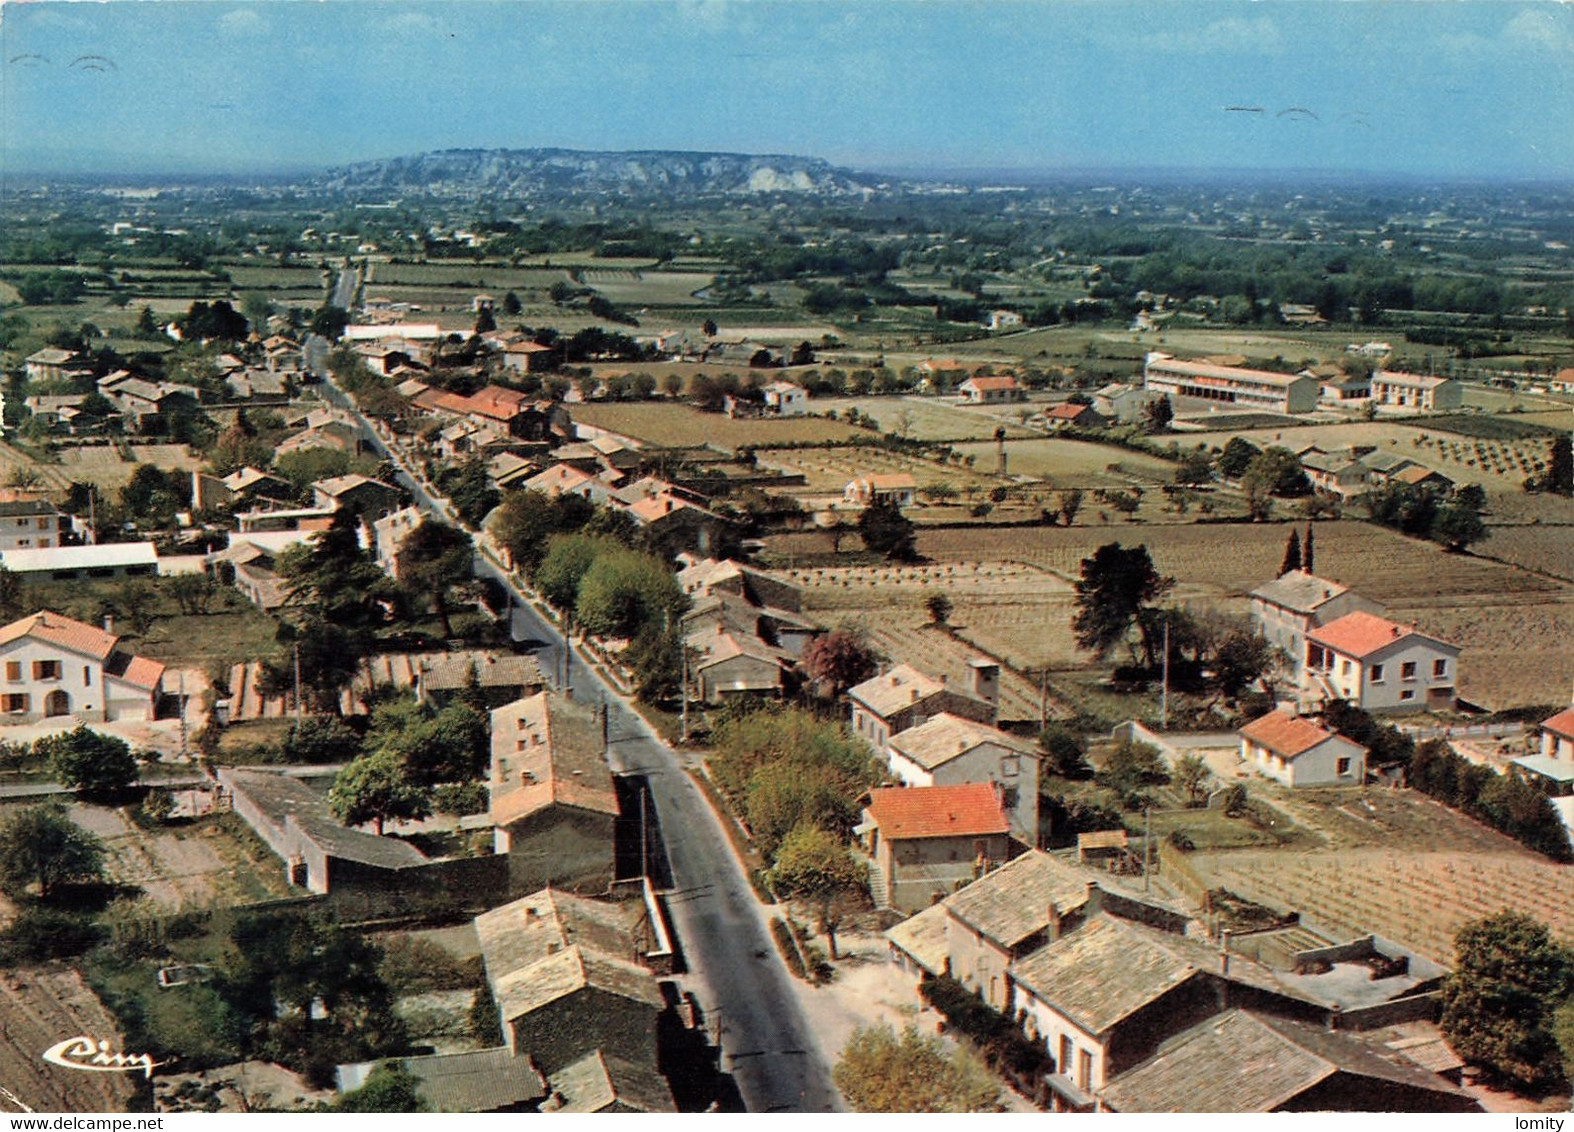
[(1084, 1070), (1342, 768), (1407, 694), (87, 676), (1407, 670), (21, 542), (46, 670), (1010, 766), (1344, 668), (1439, 668), (13, 670), (1377, 673), (13, 703), (1065, 1056)]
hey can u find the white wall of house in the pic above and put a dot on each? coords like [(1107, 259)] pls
[(30, 671), (1014, 772), (978, 964), (1078, 1054), (1333, 762), (29, 532), (1557, 746), (1412, 675), (1286, 628)]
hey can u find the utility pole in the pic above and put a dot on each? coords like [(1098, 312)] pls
[(182, 695), (644, 838), (1043, 697), (606, 716), (1164, 692), (683, 689), (297, 655), (1147, 846)]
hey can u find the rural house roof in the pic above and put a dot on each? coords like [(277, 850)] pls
[(51, 356), (986, 384), (1011, 903), (1102, 972), (923, 937), (1242, 1061), (891, 691), (913, 813), (1068, 412), (138, 671), (1361, 634), (1409, 380), (1415, 474), (1286, 735), (1217, 372), (1385, 462), (599, 1080), (945, 737), (283, 801), (62, 632), (482, 1080), (1561, 724), (546, 750)]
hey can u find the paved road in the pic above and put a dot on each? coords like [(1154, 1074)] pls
[(735, 970)]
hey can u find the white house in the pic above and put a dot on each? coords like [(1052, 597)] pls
[(1416, 391), (52, 666), (104, 561), (991, 390), (1295, 751), (949, 750), (1287, 607), (1378, 665), (1003, 320), (784, 399), (897, 488), (1557, 736), (29, 524), (1118, 401)]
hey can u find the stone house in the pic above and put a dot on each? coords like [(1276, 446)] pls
[(925, 841)]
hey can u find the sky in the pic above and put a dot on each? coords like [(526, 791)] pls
[(1408, 87)]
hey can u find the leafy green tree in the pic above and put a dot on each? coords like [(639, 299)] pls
[(525, 521), (1132, 766), (329, 321), (486, 321), (375, 788), (939, 607), (886, 531), (1510, 977), (318, 739), (567, 559), (881, 1071), (1158, 415), (1195, 468), (511, 304), (656, 658), (389, 1088), (1278, 471), (623, 591), (1560, 466), (1065, 752), (813, 866), (1193, 776), (12, 599), (41, 845), (470, 490), (1236, 457), (1069, 503), (434, 559), (193, 593), (1241, 658), (1115, 585), (87, 761), (800, 791), (1457, 525)]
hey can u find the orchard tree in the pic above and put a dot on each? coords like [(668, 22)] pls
[(939, 607), (41, 845), (1192, 775), (1069, 502), (1457, 524)]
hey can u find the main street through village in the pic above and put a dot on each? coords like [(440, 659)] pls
[(733, 967)]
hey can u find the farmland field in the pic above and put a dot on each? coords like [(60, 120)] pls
[(1548, 549), (682, 426), (632, 289), (40, 1006), (930, 418)]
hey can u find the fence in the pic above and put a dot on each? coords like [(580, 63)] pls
[(1464, 731), (1175, 869)]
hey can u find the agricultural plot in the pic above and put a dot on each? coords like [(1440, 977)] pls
[(635, 289), (41, 1006), (1074, 463), (1545, 549), (102, 464), (828, 470), (929, 418), (682, 426), (269, 277), (1418, 898)]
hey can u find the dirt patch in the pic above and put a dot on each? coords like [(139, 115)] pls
[(39, 1007), (250, 1086)]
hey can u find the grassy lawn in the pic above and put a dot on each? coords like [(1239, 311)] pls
[(1263, 826)]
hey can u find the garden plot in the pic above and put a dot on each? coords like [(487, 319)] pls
[(40, 1006)]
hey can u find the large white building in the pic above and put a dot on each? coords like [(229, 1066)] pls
[(949, 750), (1416, 391), (1287, 608), (1379, 665), (1249, 388), (52, 666)]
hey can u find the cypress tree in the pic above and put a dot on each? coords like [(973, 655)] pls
[(1306, 551), (1292, 554)]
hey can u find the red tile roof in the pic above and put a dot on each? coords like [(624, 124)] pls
[(1360, 634), (63, 632), (140, 672), (1284, 734), (1561, 724), (1067, 412), (983, 383), (971, 810)]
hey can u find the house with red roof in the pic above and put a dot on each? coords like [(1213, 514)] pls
[(1294, 751), (1069, 415), (1557, 737), (925, 840), (56, 666), (991, 390), (1379, 665)]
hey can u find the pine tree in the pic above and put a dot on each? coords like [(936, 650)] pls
[(1306, 551), (1292, 555)]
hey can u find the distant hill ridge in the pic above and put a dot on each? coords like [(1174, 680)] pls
[(533, 172)]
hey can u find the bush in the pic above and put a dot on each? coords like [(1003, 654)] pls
[(460, 799), (38, 934)]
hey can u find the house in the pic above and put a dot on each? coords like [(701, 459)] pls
[(526, 357), (599, 1082), (1294, 751), (758, 587), (1417, 476), (56, 666), (388, 534), (1068, 415), (1346, 387), (1124, 403), (358, 494), (50, 364), (674, 525), (551, 798), (1003, 320), (483, 1080), (903, 698), (991, 390), (1382, 465), (499, 677), (728, 663), (1336, 475), (1378, 665), (562, 479), (897, 488), (952, 750), (59, 410), (1234, 385), (562, 972), (253, 558), (30, 524), (505, 469), (257, 384), (272, 520), (245, 486), (1557, 736), (140, 400), (924, 841), (1285, 608), (784, 399), (1416, 391), (1249, 1061), (338, 435), (104, 561)]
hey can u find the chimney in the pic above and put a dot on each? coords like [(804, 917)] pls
[(109, 624), (914, 691), (1224, 952), (1053, 916), (1094, 900), (1396, 630)]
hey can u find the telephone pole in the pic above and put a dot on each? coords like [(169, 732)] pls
[(1164, 687)]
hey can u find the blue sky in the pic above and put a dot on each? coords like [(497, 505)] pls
[(1404, 86)]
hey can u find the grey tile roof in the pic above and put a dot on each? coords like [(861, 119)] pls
[(1012, 903), (1299, 591)]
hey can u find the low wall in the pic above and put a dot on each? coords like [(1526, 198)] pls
[(1414, 1008)]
